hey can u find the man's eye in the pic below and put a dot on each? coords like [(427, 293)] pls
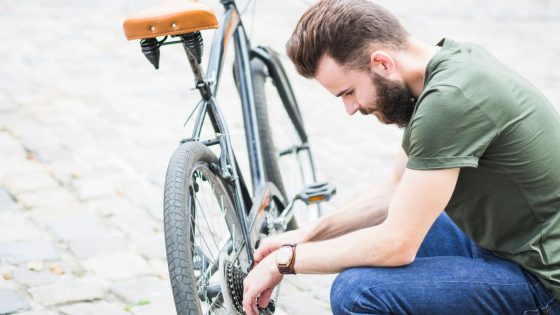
[(350, 93)]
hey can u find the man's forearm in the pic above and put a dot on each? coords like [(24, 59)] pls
[(367, 210), (372, 246)]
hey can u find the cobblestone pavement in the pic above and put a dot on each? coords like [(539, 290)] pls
[(87, 127)]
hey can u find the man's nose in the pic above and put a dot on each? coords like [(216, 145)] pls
[(351, 106)]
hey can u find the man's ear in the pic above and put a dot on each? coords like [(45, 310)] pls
[(381, 63)]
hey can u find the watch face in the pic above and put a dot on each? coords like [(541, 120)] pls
[(284, 255)]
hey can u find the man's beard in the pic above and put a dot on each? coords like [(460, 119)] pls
[(394, 101)]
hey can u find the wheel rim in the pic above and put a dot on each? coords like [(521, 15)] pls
[(211, 236)]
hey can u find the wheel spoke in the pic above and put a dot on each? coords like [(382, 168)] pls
[(207, 224)]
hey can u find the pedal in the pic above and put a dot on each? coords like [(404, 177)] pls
[(316, 193)]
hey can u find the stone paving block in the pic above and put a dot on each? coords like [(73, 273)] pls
[(25, 251), (154, 308), (66, 169), (19, 165), (147, 289), (92, 188), (6, 201), (76, 226), (44, 215), (6, 105), (37, 312), (57, 197), (86, 247), (153, 247), (68, 291), (320, 285), (159, 267), (31, 278), (46, 146), (108, 207), (300, 303), (136, 223), (20, 182), (146, 196), (11, 301), (15, 227), (118, 266), (10, 145), (94, 308)]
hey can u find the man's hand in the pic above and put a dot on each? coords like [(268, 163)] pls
[(259, 283), (272, 243)]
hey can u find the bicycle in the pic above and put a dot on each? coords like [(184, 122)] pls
[(212, 222)]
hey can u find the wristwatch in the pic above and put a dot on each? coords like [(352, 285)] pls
[(286, 258)]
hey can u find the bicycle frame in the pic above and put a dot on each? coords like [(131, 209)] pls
[(250, 211)]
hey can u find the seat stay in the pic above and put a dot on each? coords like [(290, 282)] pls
[(229, 22)]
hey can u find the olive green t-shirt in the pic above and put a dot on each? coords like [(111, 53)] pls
[(478, 115)]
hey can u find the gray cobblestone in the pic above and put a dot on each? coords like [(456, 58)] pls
[(25, 251), (76, 226), (153, 247), (109, 207), (37, 312), (11, 301), (149, 289), (11, 146), (48, 198), (31, 278), (92, 188), (96, 308), (67, 291), (22, 182), (154, 308), (118, 266), (90, 246), (6, 201), (15, 227), (136, 223), (6, 105)]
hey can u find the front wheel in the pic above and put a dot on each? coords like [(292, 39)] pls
[(203, 236), (288, 166)]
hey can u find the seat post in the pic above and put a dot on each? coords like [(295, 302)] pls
[(193, 45)]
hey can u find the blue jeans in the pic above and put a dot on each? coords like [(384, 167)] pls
[(451, 275)]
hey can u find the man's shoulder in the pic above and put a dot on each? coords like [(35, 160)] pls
[(441, 101)]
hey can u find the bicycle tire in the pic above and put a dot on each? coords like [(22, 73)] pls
[(188, 174), (269, 151)]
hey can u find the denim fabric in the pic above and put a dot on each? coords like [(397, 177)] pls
[(451, 275)]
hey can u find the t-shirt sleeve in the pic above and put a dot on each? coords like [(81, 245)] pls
[(448, 131)]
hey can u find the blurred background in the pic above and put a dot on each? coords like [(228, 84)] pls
[(87, 127)]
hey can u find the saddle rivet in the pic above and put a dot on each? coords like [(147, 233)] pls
[(152, 28), (174, 25)]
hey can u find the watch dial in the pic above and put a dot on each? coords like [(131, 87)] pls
[(283, 256)]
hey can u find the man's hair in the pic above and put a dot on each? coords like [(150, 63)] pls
[(346, 30)]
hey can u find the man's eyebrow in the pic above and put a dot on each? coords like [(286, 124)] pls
[(342, 92)]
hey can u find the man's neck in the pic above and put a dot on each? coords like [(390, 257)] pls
[(412, 64)]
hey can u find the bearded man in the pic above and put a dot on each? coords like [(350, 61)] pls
[(468, 223)]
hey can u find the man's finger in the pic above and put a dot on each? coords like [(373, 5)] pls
[(248, 301), (264, 298), (262, 252)]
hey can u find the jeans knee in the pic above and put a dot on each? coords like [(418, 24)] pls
[(363, 290), (340, 289), (347, 291)]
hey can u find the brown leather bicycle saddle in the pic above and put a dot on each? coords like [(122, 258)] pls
[(171, 18)]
